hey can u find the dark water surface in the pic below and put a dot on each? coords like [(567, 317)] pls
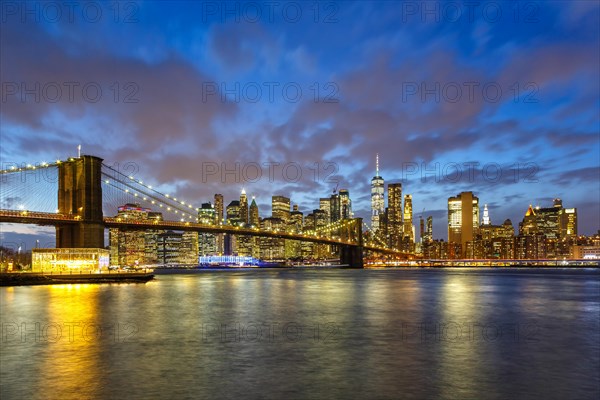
[(308, 334)]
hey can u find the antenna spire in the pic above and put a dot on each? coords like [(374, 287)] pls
[(377, 164)]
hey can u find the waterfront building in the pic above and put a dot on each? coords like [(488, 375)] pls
[(272, 249), (207, 242), (553, 222), (128, 248)]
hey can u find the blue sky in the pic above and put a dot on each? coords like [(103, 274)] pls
[(429, 86)]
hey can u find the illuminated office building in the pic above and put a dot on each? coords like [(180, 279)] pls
[(295, 222), (428, 236), (219, 220), (486, 216), (345, 204), (169, 244), (394, 214), (325, 206), (377, 198), (409, 229), (243, 208), (272, 249), (188, 248), (553, 222), (322, 251), (489, 232), (280, 208), (233, 218), (206, 214), (254, 218), (335, 208), (128, 248), (207, 242), (219, 209), (293, 248), (568, 223), (463, 219), (233, 213), (243, 242)]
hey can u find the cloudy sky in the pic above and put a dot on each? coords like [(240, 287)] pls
[(296, 98)]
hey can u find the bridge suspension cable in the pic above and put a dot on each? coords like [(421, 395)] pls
[(331, 227), (121, 188), (27, 188), (375, 236)]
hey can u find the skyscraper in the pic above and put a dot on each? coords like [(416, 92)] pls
[(325, 206), (280, 208), (335, 210), (377, 198), (463, 219), (129, 247), (207, 244), (243, 208), (486, 216), (553, 222), (233, 213), (429, 230), (254, 218), (345, 204), (394, 214), (233, 218), (219, 208), (568, 222), (408, 219), (220, 237)]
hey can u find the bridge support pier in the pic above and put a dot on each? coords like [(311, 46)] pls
[(352, 255), (80, 194)]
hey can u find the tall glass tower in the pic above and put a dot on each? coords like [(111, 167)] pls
[(377, 198)]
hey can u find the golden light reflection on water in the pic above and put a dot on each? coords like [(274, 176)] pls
[(360, 356), (72, 362), (460, 345)]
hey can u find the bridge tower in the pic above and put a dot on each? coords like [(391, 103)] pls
[(80, 194), (352, 255)]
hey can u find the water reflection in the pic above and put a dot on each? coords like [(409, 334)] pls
[(309, 334)]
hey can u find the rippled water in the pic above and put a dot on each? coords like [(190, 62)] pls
[(308, 334)]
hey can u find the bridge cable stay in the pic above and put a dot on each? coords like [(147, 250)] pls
[(27, 188), (375, 236), (120, 189), (331, 227)]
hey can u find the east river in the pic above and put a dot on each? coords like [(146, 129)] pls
[(308, 334)]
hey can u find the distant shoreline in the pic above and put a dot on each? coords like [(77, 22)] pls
[(34, 279)]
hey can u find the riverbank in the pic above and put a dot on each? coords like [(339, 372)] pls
[(28, 279)]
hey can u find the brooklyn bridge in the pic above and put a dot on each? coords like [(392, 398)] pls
[(76, 195)]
